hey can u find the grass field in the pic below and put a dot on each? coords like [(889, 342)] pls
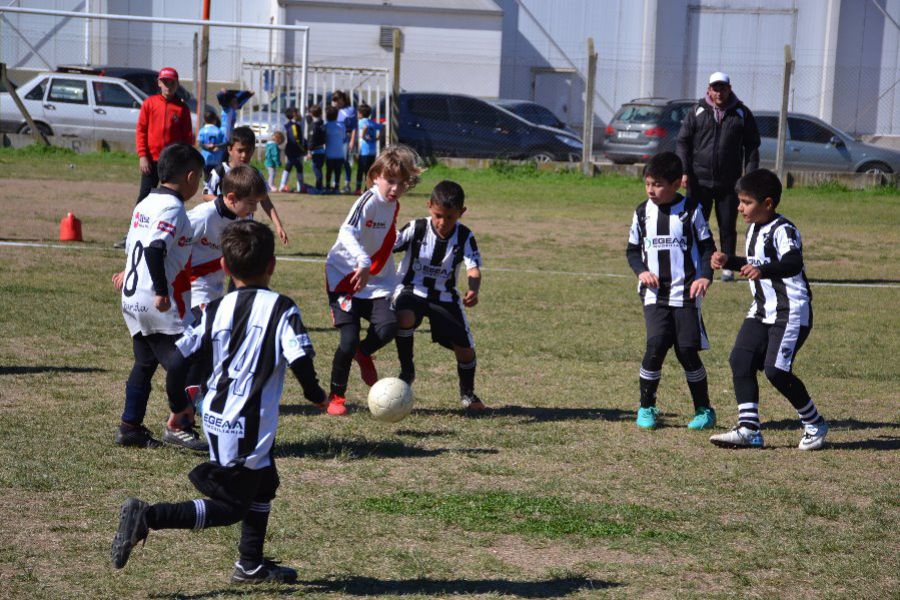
[(555, 494)]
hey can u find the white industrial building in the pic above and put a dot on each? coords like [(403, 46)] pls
[(847, 52)]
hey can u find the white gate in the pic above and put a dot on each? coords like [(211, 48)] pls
[(278, 86)]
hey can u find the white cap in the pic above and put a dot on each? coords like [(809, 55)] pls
[(719, 77)]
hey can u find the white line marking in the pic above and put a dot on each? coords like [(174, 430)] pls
[(320, 261)]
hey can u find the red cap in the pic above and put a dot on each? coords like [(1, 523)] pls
[(168, 73)]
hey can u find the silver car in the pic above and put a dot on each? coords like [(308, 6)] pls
[(814, 145), (87, 107), (642, 128)]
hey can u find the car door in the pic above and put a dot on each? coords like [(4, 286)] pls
[(32, 98), (116, 112), (67, 109), (810, 147), (480, 132), (427, 125)]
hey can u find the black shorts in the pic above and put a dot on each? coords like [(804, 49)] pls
[(449, 326), (772, 345), (677, 324), (375, 310), (235, 485)]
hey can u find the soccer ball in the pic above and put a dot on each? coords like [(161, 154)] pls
[(390, 400)]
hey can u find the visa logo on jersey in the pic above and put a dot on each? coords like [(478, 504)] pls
[(665, 242), (141, 220), (216, 424)]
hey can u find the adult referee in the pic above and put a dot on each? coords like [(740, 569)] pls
[(717, 144)]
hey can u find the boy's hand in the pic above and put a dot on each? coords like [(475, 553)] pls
[(181, 420), (649, 279), (699, 287), (283, 235), (145, 165), (750, 272), (118, 279), (162, 303), (471, 299), (360, 278), (718, 260), (685, 181)]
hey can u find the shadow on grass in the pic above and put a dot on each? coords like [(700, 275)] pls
[(536, 414), (47, 369), (426, 433), (790, 424), (359, 448), (305, 254), (882, 442), (370, 586)]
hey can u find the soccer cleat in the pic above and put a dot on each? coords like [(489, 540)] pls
[(739, 437), (185, 438), (358, 192), (647, 417), (727, 275), (336, 405), (136, 437), (285, 189), (345, 189), (132, 529), (304, 189), (269, 571), (704, 418), (366, 368), (119, 245), (472, 403), (814, 436)]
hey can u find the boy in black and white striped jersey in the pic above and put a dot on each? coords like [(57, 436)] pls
[(434, 248), (669, 248), (780, 317), (246, 339)]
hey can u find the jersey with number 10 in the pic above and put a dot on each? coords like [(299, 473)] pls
[(158, 219), (246, 339)]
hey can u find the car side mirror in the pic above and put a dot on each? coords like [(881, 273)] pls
[(836, 141)]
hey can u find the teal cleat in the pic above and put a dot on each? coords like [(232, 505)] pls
[(646, 417), (705, 418)]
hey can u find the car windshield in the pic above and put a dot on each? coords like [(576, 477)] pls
[(639, 113)]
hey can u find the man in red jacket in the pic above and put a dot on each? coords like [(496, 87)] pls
[(165, 119)]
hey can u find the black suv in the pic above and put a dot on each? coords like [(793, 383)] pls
[(458, 125)]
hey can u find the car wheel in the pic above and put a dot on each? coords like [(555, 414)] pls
[(875, 167), (25, 129), (542, 156)]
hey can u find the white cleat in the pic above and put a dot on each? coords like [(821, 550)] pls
[(739, 437), (814, 436)]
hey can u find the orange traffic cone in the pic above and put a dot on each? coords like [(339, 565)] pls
[(70, 229)]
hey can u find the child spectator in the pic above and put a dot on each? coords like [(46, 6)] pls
[(156, 291), (334, 151), (347, 117), (273, 157), (669, 247), (316, 143), (780, 316), (241, 419), (231, 101), (434, 248), (240, 152), (212, 143), (368, 144), (294, 149), (360, 272)]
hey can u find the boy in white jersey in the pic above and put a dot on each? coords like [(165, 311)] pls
[(780, 317), (669, 248), (360, 272), (434, 248), (156, 290), (240, 152), (247, 339)]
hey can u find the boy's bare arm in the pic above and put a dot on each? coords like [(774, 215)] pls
[(270, 211)]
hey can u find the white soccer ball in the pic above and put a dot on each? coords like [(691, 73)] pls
[(390, 400)]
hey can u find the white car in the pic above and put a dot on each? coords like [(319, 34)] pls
[(88, 107)]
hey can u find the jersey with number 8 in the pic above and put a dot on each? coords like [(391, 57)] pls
[(159, 218)]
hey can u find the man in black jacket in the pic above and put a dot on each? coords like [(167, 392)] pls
[(718, 143)]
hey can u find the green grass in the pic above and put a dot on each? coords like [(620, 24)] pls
[(555, 494)]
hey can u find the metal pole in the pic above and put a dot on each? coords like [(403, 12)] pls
[(395, 96), (587, 137), (304, 75), (36, 133), (204, 67), (782, 116)]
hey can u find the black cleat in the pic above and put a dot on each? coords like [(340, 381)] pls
[(269, 571), (185, 438), (136, 436), (132, 529), (407, 377)]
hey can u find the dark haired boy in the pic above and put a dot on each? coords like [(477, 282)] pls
[(294, 149), (434, 248), (368, 143), (315, 142), (780, 316), (247, 339), (241, 145), (156, 289), (669, 248), (335, 134)]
